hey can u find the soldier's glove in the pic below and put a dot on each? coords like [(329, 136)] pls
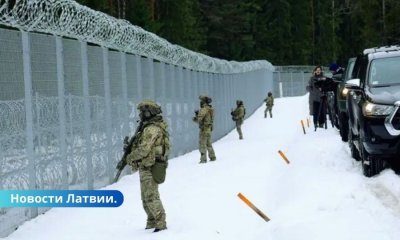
[(135, 166), (196, 113), (132, 162)]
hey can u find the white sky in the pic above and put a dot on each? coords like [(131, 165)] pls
[(320, 195)]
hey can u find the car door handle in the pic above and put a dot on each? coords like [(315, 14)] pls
[(389, 119)]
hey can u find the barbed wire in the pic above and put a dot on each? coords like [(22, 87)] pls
[(69, 19)]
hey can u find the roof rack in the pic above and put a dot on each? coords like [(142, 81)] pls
[(381, 49)]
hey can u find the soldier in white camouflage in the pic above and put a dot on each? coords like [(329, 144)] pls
[(238, 116), (150, 150), (205, 118)]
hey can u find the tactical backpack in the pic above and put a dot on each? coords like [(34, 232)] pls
[(211, 111)]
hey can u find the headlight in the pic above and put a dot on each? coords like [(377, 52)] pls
[(345, 91), (371, 109)]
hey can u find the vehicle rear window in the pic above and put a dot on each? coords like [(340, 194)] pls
[(384, 71)]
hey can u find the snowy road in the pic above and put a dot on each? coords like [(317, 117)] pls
[(321, 194)]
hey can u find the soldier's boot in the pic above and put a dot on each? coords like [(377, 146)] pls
[(211, 154), (270, 114), (239, 130), (159, 229), (203, 158), (265, 115), (150, 225), (161, 223)]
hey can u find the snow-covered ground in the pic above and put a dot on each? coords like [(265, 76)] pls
[(320, 195)]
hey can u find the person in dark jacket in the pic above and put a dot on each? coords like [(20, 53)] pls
[(317, 97)]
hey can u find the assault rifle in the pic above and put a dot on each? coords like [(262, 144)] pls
[(127, 150)]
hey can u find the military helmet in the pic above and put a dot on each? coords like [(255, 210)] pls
[(150, 107), (239, 102), (269, 94), (205, 99)]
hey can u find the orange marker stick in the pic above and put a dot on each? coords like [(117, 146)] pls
[(258, 211), (283, 156), (302, 125)]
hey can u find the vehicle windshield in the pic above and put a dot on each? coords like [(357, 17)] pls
[(350, 70), (384, 72)]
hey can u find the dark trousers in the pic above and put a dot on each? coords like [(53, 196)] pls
[(319, 113)]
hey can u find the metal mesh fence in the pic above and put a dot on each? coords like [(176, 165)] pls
[(292, 81), (65, 107)]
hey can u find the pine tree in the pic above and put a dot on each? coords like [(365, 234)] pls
[(273, 40), (369, 14), (181, 23), (301, 32), (139, 13)]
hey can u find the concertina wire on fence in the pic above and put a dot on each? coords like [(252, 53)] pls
[(70, 19)]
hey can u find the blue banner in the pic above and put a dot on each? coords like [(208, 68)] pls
[(61, 198)]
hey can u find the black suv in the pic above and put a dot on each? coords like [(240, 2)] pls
[(372, 104), (342, 91)]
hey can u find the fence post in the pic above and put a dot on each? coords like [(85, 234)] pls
[(37, 108), (291, 84), (107, 96), (151, 80), (87, 123), (280, 85), (139, 76), (126, 108), (61, 110), (26, 51)]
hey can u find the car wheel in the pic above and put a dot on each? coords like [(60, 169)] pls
[(353, 150), (366, 163), (371, 165), (343, 127)]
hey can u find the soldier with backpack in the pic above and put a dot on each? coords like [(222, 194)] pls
[(205, 118), (269, 103), (238, 116), (149, 155)]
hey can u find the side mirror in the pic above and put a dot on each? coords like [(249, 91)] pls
[(353, 84)]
